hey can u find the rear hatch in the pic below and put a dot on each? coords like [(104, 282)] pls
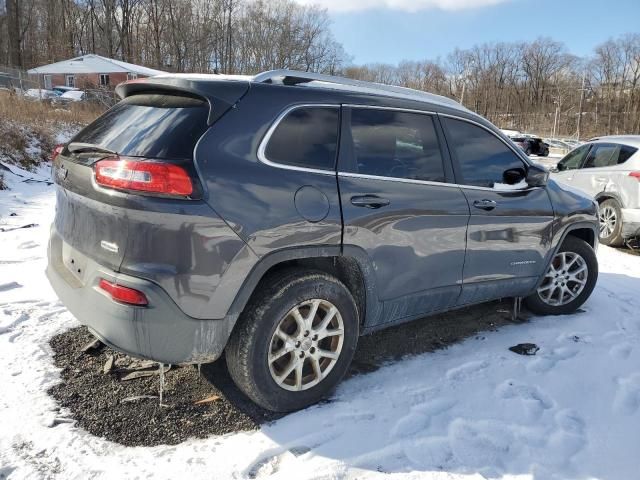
[(154, 133)]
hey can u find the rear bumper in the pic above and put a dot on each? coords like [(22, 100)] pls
[(159, 332), (630, 222)]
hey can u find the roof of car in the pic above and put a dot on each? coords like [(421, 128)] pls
[(316, 80), (632, 140)]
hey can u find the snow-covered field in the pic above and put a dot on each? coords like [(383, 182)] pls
[(473, 411)]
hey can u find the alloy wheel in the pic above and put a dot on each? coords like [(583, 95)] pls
[(608, 219), (565, 279), (306, 345)]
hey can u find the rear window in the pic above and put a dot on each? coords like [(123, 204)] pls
[(150, 125), (306, 137)]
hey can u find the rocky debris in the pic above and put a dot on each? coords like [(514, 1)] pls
[(135, 398), (525, 349), (108, 365), (126, 374), (127, 412), (93, 346), (60, 420), (209, 399)]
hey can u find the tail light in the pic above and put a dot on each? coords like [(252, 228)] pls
[(152, 176), (635, 175), (56, 151), (124, 294)]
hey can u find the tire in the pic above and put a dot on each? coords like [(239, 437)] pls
[(571, 247), (610, 217), (254, 340)]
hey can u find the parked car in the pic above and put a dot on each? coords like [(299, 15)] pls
[(62, 89), (608, 168), (40, 94), (277, 218), (70, 96), (557, 147), (532, 145), (572, 142)]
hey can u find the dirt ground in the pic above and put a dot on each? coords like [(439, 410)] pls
[(128, 411)]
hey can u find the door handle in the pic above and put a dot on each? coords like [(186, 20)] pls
[(601, 179), (485, 204), (369, 201)]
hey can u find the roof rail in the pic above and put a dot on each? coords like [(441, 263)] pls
[(292, 77)]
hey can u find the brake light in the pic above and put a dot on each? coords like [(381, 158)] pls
[(126, 173), (124, 294), (635, 175), (56, 151)]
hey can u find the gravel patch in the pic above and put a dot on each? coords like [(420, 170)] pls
[(206, 402)]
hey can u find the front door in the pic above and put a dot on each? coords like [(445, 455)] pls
[(399, 206), (510, 226), (570, 165)]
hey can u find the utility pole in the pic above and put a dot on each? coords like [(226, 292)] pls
[(584, 74), (555, 119)]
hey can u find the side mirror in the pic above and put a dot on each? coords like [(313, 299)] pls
[(537, 176), (560, 167), (514, 176)]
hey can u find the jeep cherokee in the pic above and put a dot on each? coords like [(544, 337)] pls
[(276, 218)]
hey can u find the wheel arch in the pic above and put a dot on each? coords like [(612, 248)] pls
[(602, 196), (351, 266), (586, 231)]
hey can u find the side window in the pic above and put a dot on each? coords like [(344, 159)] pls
[(395, 144), (573, 159), (625, 153), (603, 155), (483, 157), (306, 137)]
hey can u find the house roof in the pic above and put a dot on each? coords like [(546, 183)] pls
[(94, 64)]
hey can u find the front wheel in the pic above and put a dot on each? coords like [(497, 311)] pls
[(568, 281), (294, 341)]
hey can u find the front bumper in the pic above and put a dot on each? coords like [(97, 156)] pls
[(630, 222), (159, 332)]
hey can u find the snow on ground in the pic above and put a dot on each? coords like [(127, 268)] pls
[(473, 411)]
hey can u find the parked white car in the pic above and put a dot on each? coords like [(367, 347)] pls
[(70, 96), (609, 169), (40, 94)]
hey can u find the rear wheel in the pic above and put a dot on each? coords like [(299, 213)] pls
[(568, 281), (610, 217), (295, 341)]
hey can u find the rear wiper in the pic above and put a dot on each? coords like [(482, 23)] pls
[(80, 147)]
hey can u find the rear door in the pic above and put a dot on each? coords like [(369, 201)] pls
[(510, 225), (399, 206), (600, 171)]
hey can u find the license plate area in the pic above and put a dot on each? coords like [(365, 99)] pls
[(75, 262)]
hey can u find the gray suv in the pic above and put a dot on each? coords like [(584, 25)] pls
[(276, 218), (608, 169)]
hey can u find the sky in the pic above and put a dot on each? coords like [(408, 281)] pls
[(389, 31)]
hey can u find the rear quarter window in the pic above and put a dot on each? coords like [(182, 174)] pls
[(306, 137), (151, 126)]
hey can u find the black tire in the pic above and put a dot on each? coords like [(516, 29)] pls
[(571, 244), (248, 348), (615, 239)]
